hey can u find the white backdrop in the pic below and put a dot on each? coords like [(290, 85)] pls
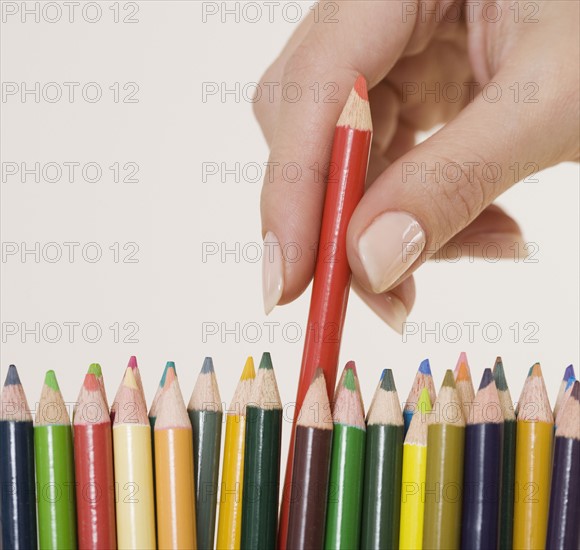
[(152, 292)]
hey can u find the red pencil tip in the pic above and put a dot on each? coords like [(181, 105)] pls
[(132, 362), (91, 383), (361, 87)]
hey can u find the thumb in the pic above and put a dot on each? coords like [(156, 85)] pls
[(439, 187)]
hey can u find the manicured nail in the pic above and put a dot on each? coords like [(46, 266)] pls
[(388, 247), (393, 312), (272, 272)]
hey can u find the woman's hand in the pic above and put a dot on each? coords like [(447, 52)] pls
[(502, 75)]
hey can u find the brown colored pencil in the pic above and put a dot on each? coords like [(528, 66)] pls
[(311, 468)]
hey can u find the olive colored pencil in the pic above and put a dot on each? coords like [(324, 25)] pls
[(133, 466), (568, 373), (312, 450), (464, 385), (413, 477), (174, 480), (482, 469), (533, 459), (262, 460), (563, 520), (55, 470), (506, 521), (345, 491), (232, 483), (17, 494), (383, 466), (444, 477), (423, 379), (205, 413)]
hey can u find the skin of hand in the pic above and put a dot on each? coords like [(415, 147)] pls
[(503, 76)]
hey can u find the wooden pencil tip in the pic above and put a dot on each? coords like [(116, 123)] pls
[(425, 367), (266, 361), (350, 365), (132, 362), (50, 380), (448, 380), (486, 379), (95, 368), (169, 377), (170, 365), (12, 378), (349, 381), (569, 382), (207, 367), (499, 375), (91, 383), (388, 381), (249, 372), (129, 379), (536, 370), (569, 372), (462, 368), (360, 86)]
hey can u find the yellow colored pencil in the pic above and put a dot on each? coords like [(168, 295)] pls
[(230, 515), (133, 468), (413, 478), (533, 464)]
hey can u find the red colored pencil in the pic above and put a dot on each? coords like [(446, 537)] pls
[(345, 187), (94, 469)]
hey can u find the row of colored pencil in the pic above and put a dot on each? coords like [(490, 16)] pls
[(455, 470)]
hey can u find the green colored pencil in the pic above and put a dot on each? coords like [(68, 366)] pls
[(262, 461), (383, 468), (55, 474), (444, 477), (205, 413), (345, 490), (506, 509)]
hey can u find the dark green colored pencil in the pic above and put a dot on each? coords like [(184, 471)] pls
[(262, 461), (205, 413), (383, 467)]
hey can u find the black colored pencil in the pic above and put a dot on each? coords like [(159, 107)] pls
[(17, 491), (482, 469)]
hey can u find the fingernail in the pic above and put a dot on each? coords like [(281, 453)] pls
[(388, 247), (394, 313), (272, 272)]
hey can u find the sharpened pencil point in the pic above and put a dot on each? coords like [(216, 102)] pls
[(462, 369), (170, 377), (349, 382), (132, 362), (382, 375), (360, 86), (499, 375), (448, 380), (462, 360), (170, 365), (50, 380), (249, 372), (91, 383), (536, 370), (486, 379), (266, 361), (95, 368), (12, 378), (575, 393), (425, 367), (388, 382), (207, 366), (569, 382), (569, 372), (129, 379), (352, 366)]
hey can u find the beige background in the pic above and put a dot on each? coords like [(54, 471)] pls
[(170, 292)]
